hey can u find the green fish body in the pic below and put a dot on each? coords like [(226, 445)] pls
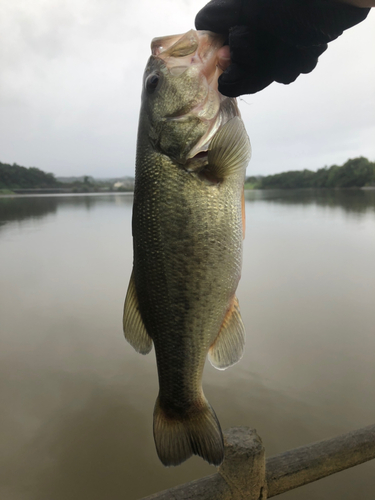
[(188, 218)]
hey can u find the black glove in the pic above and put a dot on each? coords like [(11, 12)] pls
[(274, 40)]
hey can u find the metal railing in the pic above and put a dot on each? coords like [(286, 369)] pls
[(246, 474)]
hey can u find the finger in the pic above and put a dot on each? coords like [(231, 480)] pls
[(218, 16), (223, 57), (303, 23), (236, 81), (297, 61), (257, 60)]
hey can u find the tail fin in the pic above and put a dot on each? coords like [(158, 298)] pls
[(197, 433)]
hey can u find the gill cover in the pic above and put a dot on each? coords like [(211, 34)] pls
[(180, 96)]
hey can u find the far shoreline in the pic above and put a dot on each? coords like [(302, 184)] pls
[(48, 192), (40, 194)]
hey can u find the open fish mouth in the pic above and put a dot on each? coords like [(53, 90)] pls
[(198, 51)]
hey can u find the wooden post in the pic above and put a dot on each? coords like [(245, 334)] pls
[(245, 474), (244, 467)]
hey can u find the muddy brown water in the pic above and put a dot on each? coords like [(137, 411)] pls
[(77, 401)]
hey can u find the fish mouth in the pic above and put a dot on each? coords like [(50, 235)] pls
[(194, 48), (202, 51)]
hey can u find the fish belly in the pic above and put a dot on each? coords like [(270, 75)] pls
[(187, 263)]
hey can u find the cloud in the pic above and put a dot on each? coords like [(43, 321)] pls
[(71, 81)]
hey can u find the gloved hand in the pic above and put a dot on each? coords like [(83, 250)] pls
[(274, 40)]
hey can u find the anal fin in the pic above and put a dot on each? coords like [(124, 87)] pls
[(134, 328), (229, 344)]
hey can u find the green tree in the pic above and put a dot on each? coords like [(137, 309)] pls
[(357, 172)]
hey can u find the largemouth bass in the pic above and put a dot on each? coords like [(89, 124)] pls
[(192, 152)]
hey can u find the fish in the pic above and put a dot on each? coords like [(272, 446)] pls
[(188, 227)]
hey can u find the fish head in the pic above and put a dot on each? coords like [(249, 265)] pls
[(180, 97)]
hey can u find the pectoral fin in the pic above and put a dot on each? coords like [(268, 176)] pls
[(134, 328), (229, 150), (229, 344)]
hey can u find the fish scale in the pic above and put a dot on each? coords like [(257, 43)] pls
[(184, 329), (187, 239)]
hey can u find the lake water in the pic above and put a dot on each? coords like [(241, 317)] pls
[(77, 401)]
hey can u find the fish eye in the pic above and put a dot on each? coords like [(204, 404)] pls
[(152, 82)]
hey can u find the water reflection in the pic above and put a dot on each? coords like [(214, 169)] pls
[(98, 443), (94, 452), (101, 446), (77, 401), (21, 208), (350, 200)]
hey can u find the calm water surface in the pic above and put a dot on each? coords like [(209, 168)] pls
[(77, 401)]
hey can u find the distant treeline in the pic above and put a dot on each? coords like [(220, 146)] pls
[(17, 177), (358, 172)]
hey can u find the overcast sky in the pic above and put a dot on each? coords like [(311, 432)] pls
[(70, 84)]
